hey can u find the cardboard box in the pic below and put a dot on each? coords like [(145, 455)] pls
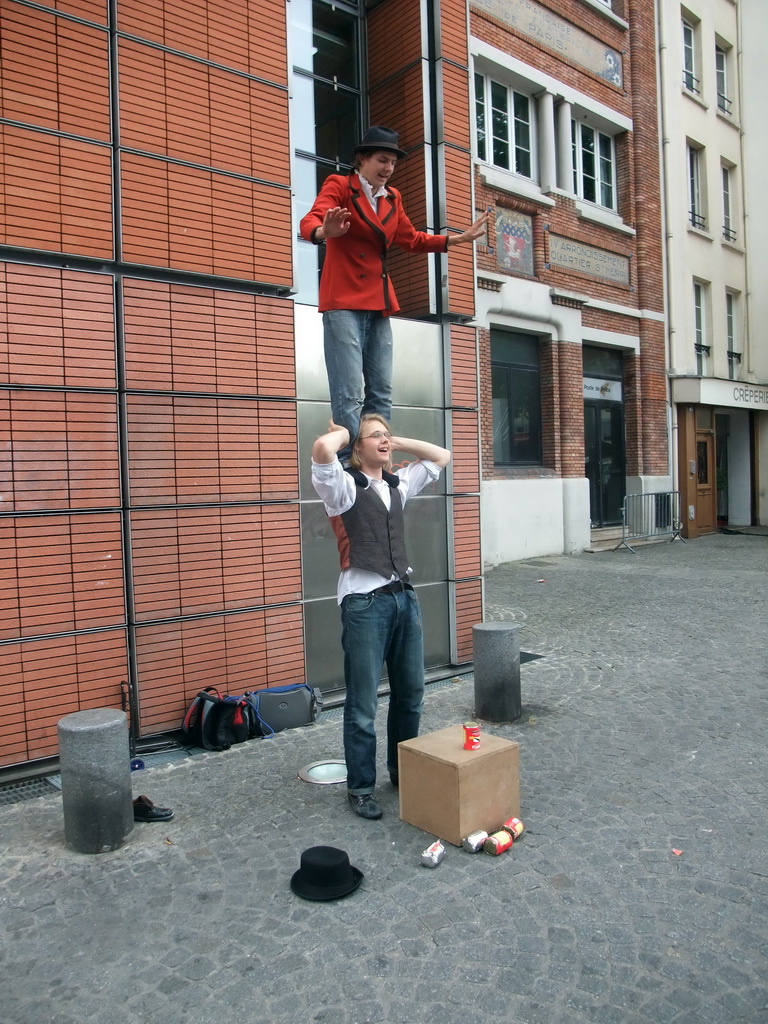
[(452, 792)]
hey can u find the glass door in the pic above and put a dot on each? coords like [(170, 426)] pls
[(604, 461)]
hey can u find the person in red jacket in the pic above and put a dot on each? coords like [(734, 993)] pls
[(359, 216)]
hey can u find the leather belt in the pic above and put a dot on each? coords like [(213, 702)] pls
[(394, 587)]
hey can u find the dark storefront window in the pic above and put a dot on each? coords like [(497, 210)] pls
[(516, 397), (601, 362)]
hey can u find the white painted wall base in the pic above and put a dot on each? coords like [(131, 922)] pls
[(521, 518), (576, 526), (525, 518)]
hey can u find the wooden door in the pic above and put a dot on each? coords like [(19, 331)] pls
[(705, 481)]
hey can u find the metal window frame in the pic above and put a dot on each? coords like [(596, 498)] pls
[(690, 81), (724, 104), (511, 140), (695, 198), (577, 129)]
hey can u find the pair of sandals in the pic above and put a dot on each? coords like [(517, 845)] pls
[(145, 810)]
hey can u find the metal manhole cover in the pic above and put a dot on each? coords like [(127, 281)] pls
[(324, 773)]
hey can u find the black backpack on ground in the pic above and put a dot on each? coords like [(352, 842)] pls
[(214, 722)]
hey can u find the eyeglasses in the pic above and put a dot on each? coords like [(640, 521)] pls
[(377, 435)]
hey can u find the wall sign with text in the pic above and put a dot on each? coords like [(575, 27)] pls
[(587, 259), (536, 22)]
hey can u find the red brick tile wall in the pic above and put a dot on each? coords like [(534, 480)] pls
[(59, 451), (57, 327), (247, 36), (199, 383), (57, 193), (177, 106), (53, 72), (469, 612), (203, 339), (45, 679)]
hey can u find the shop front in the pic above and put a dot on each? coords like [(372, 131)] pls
[(721, 461)]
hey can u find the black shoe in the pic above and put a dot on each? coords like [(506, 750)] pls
[(394, 778), (364, 805), (145, 810)]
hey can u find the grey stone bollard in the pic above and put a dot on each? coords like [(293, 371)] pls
[(497, 671), (95, 760)]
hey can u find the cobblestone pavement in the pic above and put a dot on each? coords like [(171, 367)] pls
[(643, 733)]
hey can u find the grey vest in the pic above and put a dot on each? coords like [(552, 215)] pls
[(370, 536)]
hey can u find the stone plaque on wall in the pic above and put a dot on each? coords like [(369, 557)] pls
[(586, 259), (514, 242), (536, 22)]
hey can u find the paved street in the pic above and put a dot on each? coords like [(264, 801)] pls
[(644, 732)]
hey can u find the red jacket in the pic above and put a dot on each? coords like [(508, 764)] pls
[(355, 271)]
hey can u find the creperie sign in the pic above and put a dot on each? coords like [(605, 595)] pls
[(716, 391), (750, 396)]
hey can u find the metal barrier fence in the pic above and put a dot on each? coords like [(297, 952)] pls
[(645, 516)]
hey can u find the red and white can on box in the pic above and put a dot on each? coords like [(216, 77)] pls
[(471, 736)]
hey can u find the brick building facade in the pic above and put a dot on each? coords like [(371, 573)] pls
[(570, 287), (161, 375), (160, 384)]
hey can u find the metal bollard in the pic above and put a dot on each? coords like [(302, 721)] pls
[(497, 671), (95, 760)]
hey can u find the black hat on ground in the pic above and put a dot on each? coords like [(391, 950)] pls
[(380, 138), (325, 874)]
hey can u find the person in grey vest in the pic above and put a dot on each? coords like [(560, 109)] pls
[(380, 614)]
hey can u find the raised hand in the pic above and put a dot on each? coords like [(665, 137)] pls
[(335, 222), (471, 234)]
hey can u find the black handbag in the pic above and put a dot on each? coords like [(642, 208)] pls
[(215, 722)]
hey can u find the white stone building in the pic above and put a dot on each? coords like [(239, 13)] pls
[(713, 93)]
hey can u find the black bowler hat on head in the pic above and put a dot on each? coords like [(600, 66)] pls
[(325, 874), (380, 138)]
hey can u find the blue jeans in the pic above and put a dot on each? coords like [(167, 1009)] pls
[(358, 360), (379, 629)]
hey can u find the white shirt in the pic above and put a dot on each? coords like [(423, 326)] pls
[(370, 195), (338, 491)]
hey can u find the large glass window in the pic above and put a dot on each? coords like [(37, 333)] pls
[(721, 77), (695, 198), (700, 339), (327, 82), (690, 81), (503, 122), (729, 227), (731, 339), (516, 399), (594, 165), (326, 79)]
